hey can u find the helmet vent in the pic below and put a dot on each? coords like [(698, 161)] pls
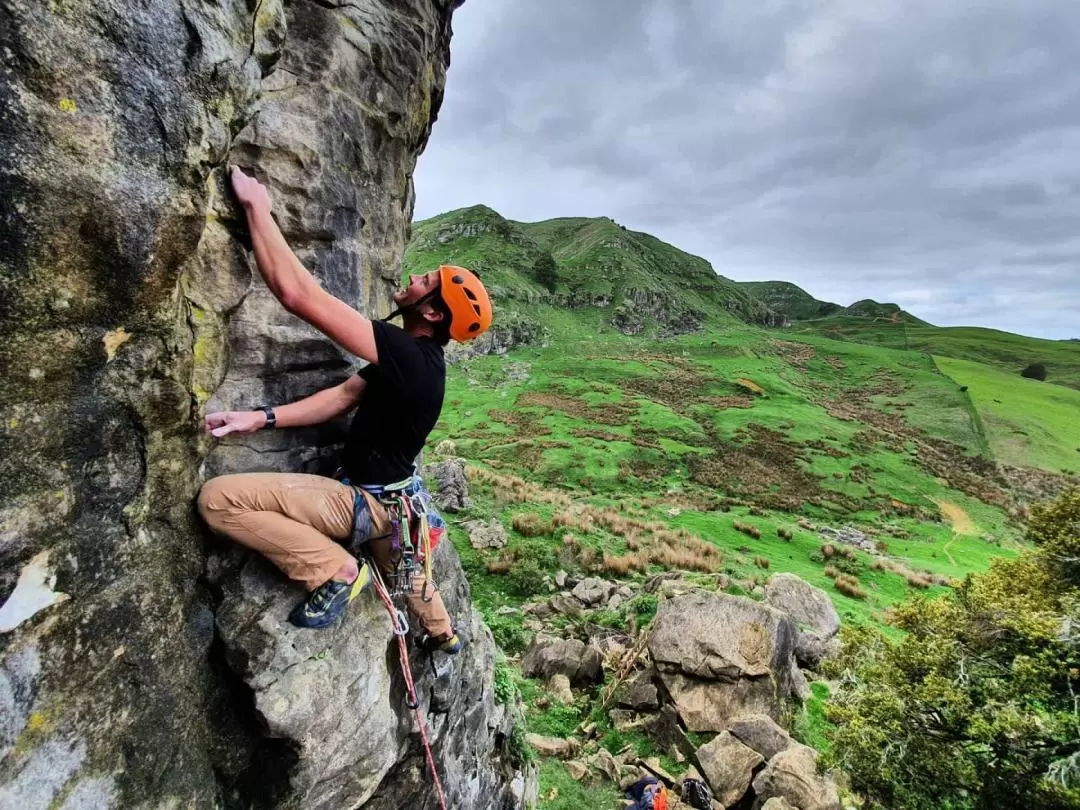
[(470, 294), (473, 327), (458, 280)]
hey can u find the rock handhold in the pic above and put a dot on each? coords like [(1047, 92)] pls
[(792, 775), (594, 591), (449, 486), (722, 656), (813, 613), (760, 733), (728, 766), (486, 534), (549, 656)]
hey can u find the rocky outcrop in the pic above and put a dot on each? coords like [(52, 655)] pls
[(548, 656), (722, 656), (728, 765), (129, 307), (792, 776)]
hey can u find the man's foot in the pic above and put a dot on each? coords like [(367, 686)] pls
[(328, 601), (451, 644)]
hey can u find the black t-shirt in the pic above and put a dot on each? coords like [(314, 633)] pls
[(400, 405)]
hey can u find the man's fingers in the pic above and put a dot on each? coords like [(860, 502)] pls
[(223, 430)]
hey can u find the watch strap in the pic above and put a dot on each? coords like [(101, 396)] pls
[(271, 418)]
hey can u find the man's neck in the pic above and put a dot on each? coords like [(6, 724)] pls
[(417, 327)]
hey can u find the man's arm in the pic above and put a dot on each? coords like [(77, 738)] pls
[(314, 410), (291, 283)]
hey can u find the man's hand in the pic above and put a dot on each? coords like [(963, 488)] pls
[(226, 422), (250, 192)]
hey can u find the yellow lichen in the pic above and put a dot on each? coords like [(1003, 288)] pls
[(114, 340), (67, 105)]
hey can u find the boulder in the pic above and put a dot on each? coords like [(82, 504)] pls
[(448, 484), (558, 687), (578, 770), (606, 764), (722, 656), (792, 775), (548, 655), (664, 730), (638, 693), (553, 746), (760, 733), (728, 766), (800, 687), (487, 534), (814, 615), (777, 803), (593, 591), (811, 649), (566, 605)]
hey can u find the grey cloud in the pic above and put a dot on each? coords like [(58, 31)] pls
[(856, 148)]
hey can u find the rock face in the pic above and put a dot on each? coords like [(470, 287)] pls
[(129, 308), (722, 656)]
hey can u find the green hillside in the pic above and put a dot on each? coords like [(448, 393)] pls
[(633, 281), (789, 300), (1003, 350), (626, 446)]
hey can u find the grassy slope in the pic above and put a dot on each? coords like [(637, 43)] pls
[(790, 300), (1029, 423), (1004, 350)]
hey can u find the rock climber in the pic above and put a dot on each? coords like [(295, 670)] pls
[(307, 525)]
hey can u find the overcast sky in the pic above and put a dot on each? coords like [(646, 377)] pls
[(925, 152)]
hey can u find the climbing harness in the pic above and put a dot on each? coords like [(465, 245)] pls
[(400, 626)]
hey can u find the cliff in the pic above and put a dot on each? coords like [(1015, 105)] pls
[(148, 665)]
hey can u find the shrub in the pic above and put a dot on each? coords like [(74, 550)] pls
[(784, 534), (761, 562), (977, 692), (530, 524), (828, 551), (531, 562), (849, 586), (1036, 371)]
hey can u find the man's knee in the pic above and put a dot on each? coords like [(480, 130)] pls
[(212, 500)]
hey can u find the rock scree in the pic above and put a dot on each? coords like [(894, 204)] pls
[(152, 666)]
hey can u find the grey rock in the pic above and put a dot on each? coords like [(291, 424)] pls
[(776, 803), (792, 775), (486, 534), (848, 537), (566, 605), (301, 681), (19, 670), (813, 612), (448, 484), (811, 649), (664, 730), (606, 764), (553, 746), (614, 602), (722, 656), (624, 720), (558, 686), (593, 591), (560, 578), (728, 766), (761, 733), (548, 656), (800, 688), (638, 693)]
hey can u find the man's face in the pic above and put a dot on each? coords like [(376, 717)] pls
[(417, 288)]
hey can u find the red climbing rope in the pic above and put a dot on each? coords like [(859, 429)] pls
[(401, 628)]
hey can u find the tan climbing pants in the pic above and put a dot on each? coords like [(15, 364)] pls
[(294, 520)]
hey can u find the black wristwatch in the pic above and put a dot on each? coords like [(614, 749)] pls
[(271, 419)]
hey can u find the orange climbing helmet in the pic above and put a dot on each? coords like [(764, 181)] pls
[(467, 300)]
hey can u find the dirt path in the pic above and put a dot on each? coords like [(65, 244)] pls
[(960, 521)]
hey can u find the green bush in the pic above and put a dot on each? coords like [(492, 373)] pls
[(973, 707), (532, 561)]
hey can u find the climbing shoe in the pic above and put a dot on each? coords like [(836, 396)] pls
[(328, 601), (451, 645)]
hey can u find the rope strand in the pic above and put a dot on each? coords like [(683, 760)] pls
[(400, 630)]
